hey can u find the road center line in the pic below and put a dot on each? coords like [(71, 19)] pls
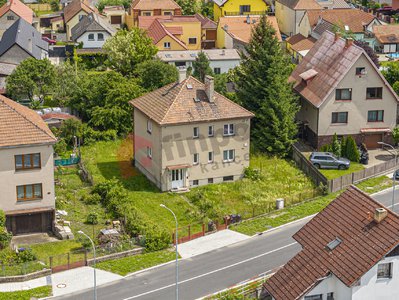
[(212, 272)]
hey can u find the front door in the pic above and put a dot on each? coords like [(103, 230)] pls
[(178, 178)]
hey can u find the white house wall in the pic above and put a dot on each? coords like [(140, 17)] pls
[(334, 285), (93, 44)]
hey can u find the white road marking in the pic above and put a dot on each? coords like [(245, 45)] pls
[(212, 272)]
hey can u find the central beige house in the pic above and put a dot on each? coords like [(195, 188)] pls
[(186, 134)]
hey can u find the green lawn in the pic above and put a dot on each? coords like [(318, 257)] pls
[(57, 250), (36, 293), (302, 210), (280, 179), (126, 265), (334, 173)]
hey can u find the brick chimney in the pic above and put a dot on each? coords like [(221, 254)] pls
[(348, 42), (209, 87), (380, 214), (337, 35)]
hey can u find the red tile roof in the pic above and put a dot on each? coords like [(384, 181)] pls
[(332, 60), (18, 8), (157, 32), (20, 125), (364, 242), (60, 116), (174, 104), (73, 8), (155, 4), (387, 34), (299, 43)]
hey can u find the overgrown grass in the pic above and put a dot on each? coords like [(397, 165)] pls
[(280, 178), (334, 173), (284, 216), (40, 292), (58, 251), (376, 184), (126, 265)]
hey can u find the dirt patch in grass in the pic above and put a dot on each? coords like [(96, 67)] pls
[(124, 155)]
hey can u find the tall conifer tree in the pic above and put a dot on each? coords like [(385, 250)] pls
[(263, 88)]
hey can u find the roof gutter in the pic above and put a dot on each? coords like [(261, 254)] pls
[(28, 145)]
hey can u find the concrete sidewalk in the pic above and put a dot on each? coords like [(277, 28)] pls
[(210, 242)]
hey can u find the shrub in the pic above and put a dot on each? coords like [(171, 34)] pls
[(92, 218), (5, 238), (395, 135), (91, 199), (336, 146), (352, 153), (343, 146), (325, 148), (60, 147), (253, 174), (104, 187), (2, 218), (156, 239), (25, 256)]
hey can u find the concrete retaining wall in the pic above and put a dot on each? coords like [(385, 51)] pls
[(26, 277), (116, 255)]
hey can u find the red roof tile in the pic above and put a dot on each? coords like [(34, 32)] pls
[(73, 8), (18, 8), (20, 125), (364, 242)]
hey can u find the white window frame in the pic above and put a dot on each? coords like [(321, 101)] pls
[(228, 129), (192, 43), (229, 155), (166, 45), (98, 36), (210, 157), (195, 132), (195, 159), (384, 265), (89, 39), (149, 126), (149, 152)]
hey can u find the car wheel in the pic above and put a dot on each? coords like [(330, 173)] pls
[(317, 166), (341, 167)]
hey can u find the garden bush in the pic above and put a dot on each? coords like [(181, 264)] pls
[(91, 199), (253, 174), (5, 238), (156, 239), (352, 153), (25, 255), (92, 218), (2, 218)]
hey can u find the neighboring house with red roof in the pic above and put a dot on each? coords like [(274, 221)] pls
[(180, 32), (74, 12), (298, 46), (342, 91), (235, 32), (354, 21), (290, 12), (350, 251), (26, 172), (11, 11), (186, 134), (150, 8), (386, 38), (55, 119)]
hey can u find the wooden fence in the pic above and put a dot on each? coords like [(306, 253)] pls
[(344, 181)]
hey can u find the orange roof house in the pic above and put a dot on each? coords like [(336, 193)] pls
[(74, 11), (11, 11), (344, 249), (234, 32)]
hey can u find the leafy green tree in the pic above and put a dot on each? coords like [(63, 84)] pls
[(155, 74), (101, 4), (391, 72), (263, 88), (189, 7), (369, 51), (65, 84), (207, 9), (92, 218), (128, 48), (395, 135), (32, 78), (221, 82), (69, 129), (343, 146), (55, 5), (201, 67), (352, 153), (395, 87), (336, 145)]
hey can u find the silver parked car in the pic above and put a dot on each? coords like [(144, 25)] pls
[(328, 160)]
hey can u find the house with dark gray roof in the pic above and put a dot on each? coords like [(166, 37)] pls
[(22, 41), (92, 30)]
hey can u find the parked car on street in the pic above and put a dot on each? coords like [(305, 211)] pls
[(328, 160), (396, 174)]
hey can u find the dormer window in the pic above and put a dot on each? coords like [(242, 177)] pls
[(91, 37)]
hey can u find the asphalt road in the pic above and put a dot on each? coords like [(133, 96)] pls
[(214, 271)]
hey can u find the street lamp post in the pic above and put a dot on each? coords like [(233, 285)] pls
[(177, 254), (94, 265), (394, 177)]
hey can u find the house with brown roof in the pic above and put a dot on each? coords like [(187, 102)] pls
[(298, 46), (354, 21), (290, 12), (174, 32), (150, 8), (386, 38), (235, 32), (186, 135), (12, 11), (350, 250), (26, 171), (342, 91), (74, 12)]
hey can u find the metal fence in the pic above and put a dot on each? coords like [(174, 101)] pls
[(66, 161), (20, 269)]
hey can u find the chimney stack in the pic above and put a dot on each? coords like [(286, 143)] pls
[(182, 74), (380, 214), (209, 87), (348, 42), (337, 35)]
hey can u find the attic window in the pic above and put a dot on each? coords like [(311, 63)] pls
[(333, 244), (346, 28)]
